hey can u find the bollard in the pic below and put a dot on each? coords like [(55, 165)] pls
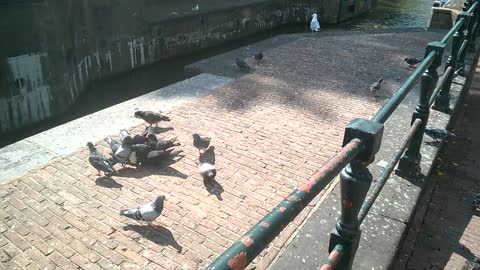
[(355, 181), (409, 165), (442, 101)]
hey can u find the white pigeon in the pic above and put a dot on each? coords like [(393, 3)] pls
[(314, 24), (195, 8), (207, 171), (148, 212)]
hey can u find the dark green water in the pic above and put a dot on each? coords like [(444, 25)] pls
[(112, 90)]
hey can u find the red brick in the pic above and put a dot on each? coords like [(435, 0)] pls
[(132, 255)]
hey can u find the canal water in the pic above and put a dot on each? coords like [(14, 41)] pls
[(108, 91)]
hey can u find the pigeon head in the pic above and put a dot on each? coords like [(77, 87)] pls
[(406, 59), (90, 145), (196, 136), (160, 198), (314, 15), (138, 114), (127, 140), (152, 136)]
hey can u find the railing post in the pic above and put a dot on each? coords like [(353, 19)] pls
[(442, 101), (476, 21), (409, 165), (355, 181), (465, 37)]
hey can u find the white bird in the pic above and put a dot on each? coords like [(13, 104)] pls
[(195, 8), (207, 171), (148, 212), (314, 24)]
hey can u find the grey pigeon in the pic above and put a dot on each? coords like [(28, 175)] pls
[(259, 56), (201, 142), (152, 141), (137, 139), (99, 162), (138, 154), (412, 61), (151, 117), (207, 171), (476, 204), (242, 64), (114, 145), (439, 134), (148, 212), (165, 144), (376, 86), (122, 153), (124, 133), (158, 156)]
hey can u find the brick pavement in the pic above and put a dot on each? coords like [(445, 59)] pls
[(268, 138), (449, 237)]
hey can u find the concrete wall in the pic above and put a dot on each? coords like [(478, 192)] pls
[(52, 49)]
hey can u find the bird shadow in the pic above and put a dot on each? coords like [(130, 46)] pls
[(157, 234), (162, 168), (158, 130), (107, 182), (213, 187)]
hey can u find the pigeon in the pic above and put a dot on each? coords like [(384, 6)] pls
[(376, 86), (151, 117), (201, 143), (412, 61), (138, 154), (148, 212), (114, 145), (314, 24), (152, 141), (157, 156), (165, 144), (122, 153), (124, 133), (139, 139), (207, 171), (259, 56), (195, 8), (98, 161), (242, 64), (439, 134)]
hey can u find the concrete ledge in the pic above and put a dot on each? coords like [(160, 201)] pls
[(20, 157)]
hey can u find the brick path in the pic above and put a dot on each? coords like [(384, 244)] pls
[(268, 139), (450, 234)]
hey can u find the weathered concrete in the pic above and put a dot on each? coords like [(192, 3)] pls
[(20, 157), (59, 47), (443, 18)]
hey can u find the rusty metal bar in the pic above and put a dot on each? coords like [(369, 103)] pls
[(453, 30), (384, 113), (333, 258), (440, 85), (380, 183), (241, 253)]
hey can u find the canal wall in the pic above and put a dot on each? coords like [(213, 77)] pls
[(51, 50)]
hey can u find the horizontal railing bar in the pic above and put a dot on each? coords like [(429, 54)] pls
[(384, 113), (333, 258), (380, 183), (452, 31), (462, 48), (472, 8), (440, 85), (241, 253)]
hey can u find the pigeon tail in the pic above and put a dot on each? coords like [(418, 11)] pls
[(133, 213)]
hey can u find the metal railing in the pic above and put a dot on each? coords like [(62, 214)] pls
[(362, 140)]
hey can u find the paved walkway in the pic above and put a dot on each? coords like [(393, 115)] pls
[(272, 129), (449, 237)]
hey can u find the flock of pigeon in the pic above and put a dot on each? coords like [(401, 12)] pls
[(144, 149)]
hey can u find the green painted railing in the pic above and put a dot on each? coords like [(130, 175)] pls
[(362, 140)]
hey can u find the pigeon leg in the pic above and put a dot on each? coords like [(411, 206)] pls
[(98, 172)]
